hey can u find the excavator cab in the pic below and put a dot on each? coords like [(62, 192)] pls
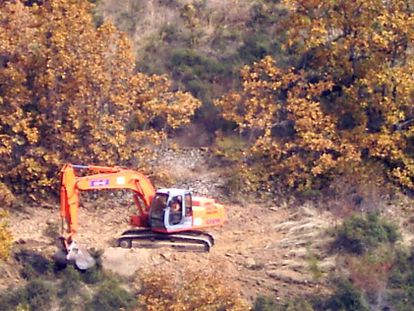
[(171, 211)]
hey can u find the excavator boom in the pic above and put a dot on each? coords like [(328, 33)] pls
[(103, 178)]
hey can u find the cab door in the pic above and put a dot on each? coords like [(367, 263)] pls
[(179, 212)]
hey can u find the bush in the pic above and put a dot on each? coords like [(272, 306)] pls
[(346, 297), (36, 295), (39, 294), (6, 196), (70, 281), (10, 299), (230, 147), (75, 289), (200, 65), (73, 283), (5, 236), (110, 296), (358, 234), (313, 264), (69, 287), (370, 272), (263, 303), (254, 48), (401, 282), (34, 264), (95, 274), (195, 290)]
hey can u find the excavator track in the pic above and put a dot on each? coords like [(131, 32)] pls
[(183, 241)]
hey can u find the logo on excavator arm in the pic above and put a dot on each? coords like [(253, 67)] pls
[(99, 183)]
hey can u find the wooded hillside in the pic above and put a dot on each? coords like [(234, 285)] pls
[(70, 92), (333, 97), (294, 101)]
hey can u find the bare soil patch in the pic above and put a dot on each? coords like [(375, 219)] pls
[(266, 248)]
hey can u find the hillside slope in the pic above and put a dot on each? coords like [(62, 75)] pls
[(266, 248)]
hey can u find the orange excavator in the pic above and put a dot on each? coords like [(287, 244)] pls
[(167, 216)]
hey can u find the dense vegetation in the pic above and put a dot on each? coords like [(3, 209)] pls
[(200, 44), (378, 271), (334, 99), (344, 105), (69, 92), (299, 95), (199, 290), (50, 285)]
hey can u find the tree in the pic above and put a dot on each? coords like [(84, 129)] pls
[(347, 101), (366, 47), (295, 138), (70, 93)]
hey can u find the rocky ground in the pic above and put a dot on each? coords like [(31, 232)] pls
[(269, 249)]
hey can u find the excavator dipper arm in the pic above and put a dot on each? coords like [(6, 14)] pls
[(102, 178)]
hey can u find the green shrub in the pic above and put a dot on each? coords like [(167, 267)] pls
[(234, 185), (358, 234), (11, 298), (263, 303), (195, 64), (36, 295), (254, 48), (34, 265), (313, 264), (39, 294), (93, 275), (75, 289), (110, 296), (401, 281), (346, 297), (73, 283), (70, 281), (230, 147), (198, 88)]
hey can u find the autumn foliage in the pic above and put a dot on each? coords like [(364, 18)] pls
[(5, 236), (346, 102), (194, 290), (69, 92)]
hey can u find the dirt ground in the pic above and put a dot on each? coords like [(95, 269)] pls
[(268, 249), (265, 249)]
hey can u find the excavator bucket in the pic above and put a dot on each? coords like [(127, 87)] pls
[(74, 254), (80, 256)]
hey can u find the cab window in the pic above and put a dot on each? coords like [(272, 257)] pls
[(159, 204), (176, 209), (176, 204), (188, 205)]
